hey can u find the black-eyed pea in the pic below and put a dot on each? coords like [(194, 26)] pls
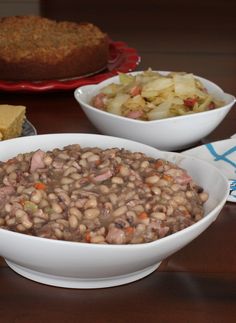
[(56, 207), (120, 210), (69, 171), (124, 171), (91, 203), (97, 239), (152, 179), (19, 213), (10, 221), (90, 214), (93, 158), (73, 221), (20, 228), (36, 196), (203, 196), (26, 222), (58, 233), (86, 154), (47, 160), (76, 212), (104, 189), (158, 215), (82, 228), (117, 180), (11, 168), (66, 180), (8, 207)]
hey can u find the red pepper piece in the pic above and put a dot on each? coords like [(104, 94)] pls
[(189, 102)]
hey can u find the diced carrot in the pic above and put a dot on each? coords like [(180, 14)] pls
[(87, 237), (22, 202), (158, 163), (40, 186), (190, 102), (143, 215), (117, 168), (129, 230), (98, 162), (167, 177)]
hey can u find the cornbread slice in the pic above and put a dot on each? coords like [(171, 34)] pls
[(11, 120)]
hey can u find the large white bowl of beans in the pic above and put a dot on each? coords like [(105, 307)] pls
[(94, 211)]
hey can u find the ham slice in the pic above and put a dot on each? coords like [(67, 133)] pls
[(37, 161), (116, 236)]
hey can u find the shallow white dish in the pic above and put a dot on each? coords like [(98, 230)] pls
[(167, 134), (81, 265), (28, 129), (221, 154)]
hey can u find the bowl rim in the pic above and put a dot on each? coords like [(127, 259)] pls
[(78, 92), (122, 246)]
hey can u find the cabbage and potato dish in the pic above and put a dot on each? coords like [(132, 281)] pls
[(151, 95)]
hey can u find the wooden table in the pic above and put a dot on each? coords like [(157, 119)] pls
[(198, 283)]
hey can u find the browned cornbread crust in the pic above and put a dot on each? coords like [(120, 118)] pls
[(36, 48)]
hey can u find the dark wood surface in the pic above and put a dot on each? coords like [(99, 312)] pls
[(198, 283)]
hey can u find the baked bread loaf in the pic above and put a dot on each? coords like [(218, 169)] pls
[(11, 120), (36, 48)]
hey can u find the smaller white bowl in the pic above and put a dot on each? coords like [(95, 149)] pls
[(166, 134)]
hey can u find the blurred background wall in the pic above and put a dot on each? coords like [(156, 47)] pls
[(17, 7)]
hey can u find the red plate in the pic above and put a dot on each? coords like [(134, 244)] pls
[(121, 59)]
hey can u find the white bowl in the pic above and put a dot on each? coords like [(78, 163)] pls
[(82, 265), (167, 134)]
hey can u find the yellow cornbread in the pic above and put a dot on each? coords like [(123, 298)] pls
[(11, 120)]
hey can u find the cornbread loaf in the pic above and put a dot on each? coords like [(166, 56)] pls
[(36, 48), (11, 120)]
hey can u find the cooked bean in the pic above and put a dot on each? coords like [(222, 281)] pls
[(119, 211), (73, 221), (82, 228), (203, 196), (69, 171), (19, 213), (47, 160), (75, 212), (58, 233), (152, 179), (10, 222), (124, 171), (11, 168), (36, 196), (63, 155), (26, 222), (113, 198), (97, 239), (103, 189), (91, 213), (66, 180), (156, 190), (91, 203), (55, 216), (56, 207), (158, 215), (117, 180), (8, 207), (93, 158)]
